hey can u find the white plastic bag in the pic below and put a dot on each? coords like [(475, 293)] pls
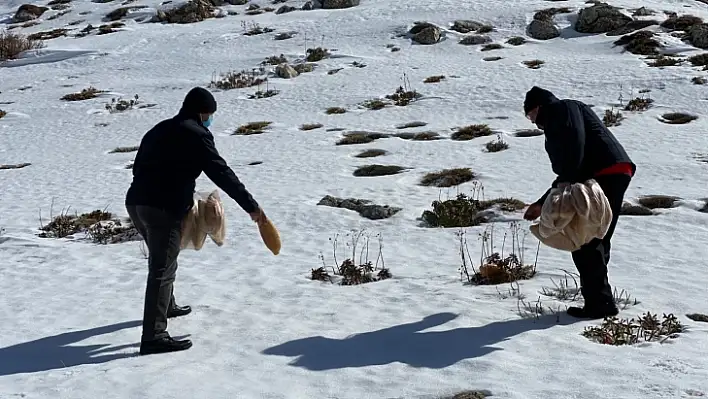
[(206, 218)]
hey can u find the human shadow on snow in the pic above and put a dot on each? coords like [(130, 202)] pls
[(56, 352), (407, 344)]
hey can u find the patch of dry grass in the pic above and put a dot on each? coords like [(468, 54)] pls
[(534, 64), (377, 170), (238, 80), (371, 153), (335, 111), (496, 145), (677, 118), (84, 94), (252, 128), (471, 132), (641, 43), (122, 150), (434, 79), (612, 117), (317, 54), (492, 46), (663, 61), (658, 201), (311, 126), (447, 177)]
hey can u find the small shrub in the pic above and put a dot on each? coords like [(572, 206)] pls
[(316, 54), (447, 177), (612, 117), (495, 267), (252, 128), (420, 136), (534, 64), (698, 80), (492, 46), (658, 201), (263, 94), (374, 104), (2, 113), (275, 60), (516, 41), (12, 45), (497, 145), (377, 170), (120, 150), (434, 79), (121, 105), (562, 290), (254, 29), (65, 224), (648, 328), (663, 61), (641, 43), (471, 132), (403, 95), (677, 118), (357, 268), (335, 110), (371, 153), (238, 80), (311, 126), (639, 104), (464, 211), (84, 94)]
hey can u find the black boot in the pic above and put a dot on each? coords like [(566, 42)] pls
[(593, 312), (164, 345), (177, 311)]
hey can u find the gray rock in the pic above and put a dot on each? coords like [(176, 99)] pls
[(429, 35), (364, 207), (473, 40), (285, 71), (28, 12), (697, 35), (337, 4), (542, 29), (465, 26), (312, 5), (285, 9), (600, 18)]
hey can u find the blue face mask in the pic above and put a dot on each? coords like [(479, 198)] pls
[(207, 122)]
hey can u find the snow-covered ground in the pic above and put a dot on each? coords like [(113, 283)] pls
[(70, 310)]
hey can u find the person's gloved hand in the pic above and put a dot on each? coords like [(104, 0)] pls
[(258, 216), (533, 212)]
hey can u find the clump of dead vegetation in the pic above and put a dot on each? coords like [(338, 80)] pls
[(239, 80), (275, 60), (48, 35), (121, 105), (639, 104), (84, 94), (420, 136), (13, 44), (496, 145), (663, 61), (252, 128), (658, 201), (699, 60), (374, 104), (253, 29), (405, 94), (316, 54), (648, 328), (516, 41), (471, 132), (99, 226), (703, 318), (378, 170), (311, 126), (2, 113), (641, 43), (612, 117), (467, 211), (268, 92), (434, 79), (358, 268), (447, 177), (357, 137), (534, 64), (496, 267), (699, 80), (677, 118), (335, 111)]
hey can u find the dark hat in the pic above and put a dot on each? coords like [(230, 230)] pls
[(537, 97), (199, 100)]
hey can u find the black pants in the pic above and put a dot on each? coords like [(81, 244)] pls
[(162, 234), (592, 258)]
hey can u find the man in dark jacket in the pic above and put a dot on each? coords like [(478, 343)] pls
[(171, 157), (580, 147)]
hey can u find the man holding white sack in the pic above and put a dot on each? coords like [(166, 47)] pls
[(172, 155), (581, 147)]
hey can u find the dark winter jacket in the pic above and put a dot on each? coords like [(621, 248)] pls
[(172, 155), (577, 141)]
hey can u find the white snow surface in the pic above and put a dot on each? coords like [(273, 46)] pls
[(70, 311)]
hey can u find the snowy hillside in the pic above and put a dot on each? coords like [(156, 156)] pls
[(70, 309)]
